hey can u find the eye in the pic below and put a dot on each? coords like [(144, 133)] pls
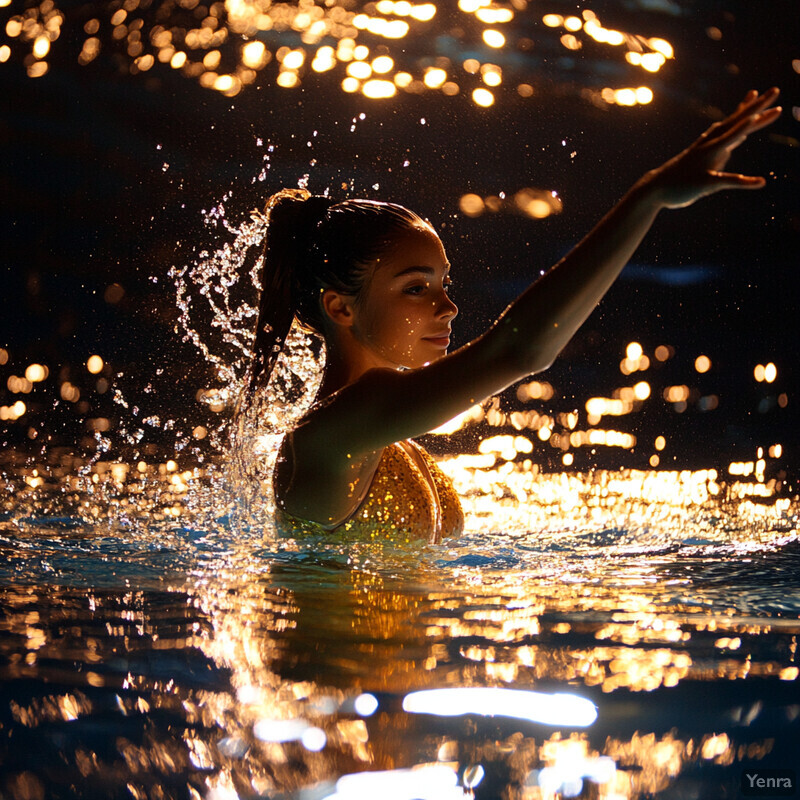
[(415, 289), (448, 285)]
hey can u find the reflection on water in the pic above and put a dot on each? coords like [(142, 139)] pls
[(473, 49), (163, 652)]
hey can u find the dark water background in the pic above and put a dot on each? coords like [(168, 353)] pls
[(106, 177)]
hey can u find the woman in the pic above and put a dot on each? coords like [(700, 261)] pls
[(372, 279)]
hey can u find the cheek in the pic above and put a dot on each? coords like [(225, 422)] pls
[(403, 318)]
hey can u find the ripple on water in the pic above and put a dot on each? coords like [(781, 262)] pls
[(173, 641)]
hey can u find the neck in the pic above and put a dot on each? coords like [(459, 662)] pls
[(345, 365)]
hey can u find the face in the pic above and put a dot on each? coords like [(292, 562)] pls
[(404, 313)]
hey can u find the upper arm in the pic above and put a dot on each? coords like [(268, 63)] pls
[(386, 406)]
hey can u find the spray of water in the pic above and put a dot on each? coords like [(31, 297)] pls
[(217, 301)]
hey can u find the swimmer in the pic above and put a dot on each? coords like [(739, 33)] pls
[(372, 279)]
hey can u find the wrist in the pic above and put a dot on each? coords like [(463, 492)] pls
[(648, 192)]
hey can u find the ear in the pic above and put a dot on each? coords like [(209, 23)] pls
[(338, 307)]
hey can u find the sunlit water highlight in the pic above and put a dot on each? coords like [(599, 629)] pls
[(155, 653), (362, 48), (158, 640)]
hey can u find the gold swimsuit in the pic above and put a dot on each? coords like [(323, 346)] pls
[(402, 504)]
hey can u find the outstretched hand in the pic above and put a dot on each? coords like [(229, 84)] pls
[(699, 170)]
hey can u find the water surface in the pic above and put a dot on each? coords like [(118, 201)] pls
[(163, 653)]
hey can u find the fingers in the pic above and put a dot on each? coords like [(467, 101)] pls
[(749, 125), (752, 104), (730, 180), (733, 135)]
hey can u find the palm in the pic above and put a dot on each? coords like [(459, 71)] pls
[(699, 170)]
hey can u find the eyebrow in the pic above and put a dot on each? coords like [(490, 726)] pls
[(424, 270)]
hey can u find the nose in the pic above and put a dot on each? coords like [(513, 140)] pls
[(446, 309)]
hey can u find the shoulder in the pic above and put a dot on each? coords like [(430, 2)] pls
[(351, 422)]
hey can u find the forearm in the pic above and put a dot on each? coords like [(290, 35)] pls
[(535, 328)]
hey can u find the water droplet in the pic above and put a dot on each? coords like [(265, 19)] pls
[(473, 775)]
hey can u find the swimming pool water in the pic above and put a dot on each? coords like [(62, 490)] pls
[(149, 654)]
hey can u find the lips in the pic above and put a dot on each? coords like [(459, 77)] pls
[(441, 339)]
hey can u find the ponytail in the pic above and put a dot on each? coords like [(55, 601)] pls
[(292, 218)]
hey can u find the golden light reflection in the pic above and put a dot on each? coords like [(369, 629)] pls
[(307, 660), (382, 64), (254, 54), (94, 364), (203, 43), (628, 97), (13, 412), (676, 394), (516, 496), (491, 74), (494, 38), (533, 203), (19, 385), (702, 364), (663, 352), (493, 16), (351, 85), (379, 89), (482, 97), (70, 392), (434, 77), (766, 373), (548, 709)]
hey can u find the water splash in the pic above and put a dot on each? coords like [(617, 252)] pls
[(217, 300)]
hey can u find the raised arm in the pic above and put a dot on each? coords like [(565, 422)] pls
[(541, 322), (385, 406)]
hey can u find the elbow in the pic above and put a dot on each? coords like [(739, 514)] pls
[(542, 364), (524, 363), (540, 359)]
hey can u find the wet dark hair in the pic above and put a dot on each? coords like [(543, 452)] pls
[(312, 244)]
